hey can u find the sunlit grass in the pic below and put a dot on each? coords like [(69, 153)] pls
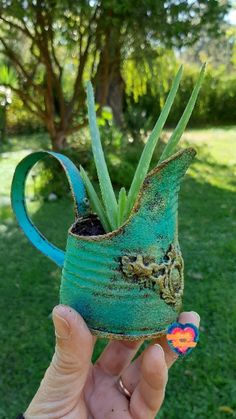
[(201, 386)]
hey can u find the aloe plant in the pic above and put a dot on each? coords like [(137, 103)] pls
[(112, 214)]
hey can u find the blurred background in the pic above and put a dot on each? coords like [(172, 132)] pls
[(131, 51)]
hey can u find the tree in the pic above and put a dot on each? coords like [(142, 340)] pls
[(54, 46), (134, 30), (45, 41)]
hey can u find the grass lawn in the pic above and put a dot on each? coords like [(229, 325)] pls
[(201, 386)]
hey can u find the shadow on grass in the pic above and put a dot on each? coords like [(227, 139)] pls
[(199, 384), (27, 141)]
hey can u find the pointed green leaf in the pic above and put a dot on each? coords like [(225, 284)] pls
[(148, 150), (107, 191), (175, 137), (95, 201), (121, 206)]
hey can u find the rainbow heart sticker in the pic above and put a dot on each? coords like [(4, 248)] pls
[(182, 338)]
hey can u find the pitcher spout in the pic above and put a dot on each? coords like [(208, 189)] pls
[(161, 186)]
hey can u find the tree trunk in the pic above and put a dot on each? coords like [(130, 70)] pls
[(58, 140), (115, 98), (57, 134), (109, 82), (3, 119)]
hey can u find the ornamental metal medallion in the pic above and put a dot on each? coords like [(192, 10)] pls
[(166, 277)]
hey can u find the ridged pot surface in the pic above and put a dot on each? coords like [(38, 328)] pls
[(129, 283)]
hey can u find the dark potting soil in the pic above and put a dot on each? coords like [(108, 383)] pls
[(89, 226)]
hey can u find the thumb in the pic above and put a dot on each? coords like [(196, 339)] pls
[(65, 378), (74, 342)]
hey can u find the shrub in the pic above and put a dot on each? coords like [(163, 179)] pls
[(215, 105), (20, 120)]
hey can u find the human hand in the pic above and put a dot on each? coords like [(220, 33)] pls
[(74, 388)]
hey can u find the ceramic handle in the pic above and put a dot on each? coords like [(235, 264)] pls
[(19, 205)]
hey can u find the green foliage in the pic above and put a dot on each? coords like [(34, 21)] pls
[(178, 131), (117, 214), (66, 43), (147, 154), (108, 195), (7, 76), (122, 203), (122, 171), (20, 120), (215, 106), (94, 200), (49, 178), (54, 38), (151, 75)]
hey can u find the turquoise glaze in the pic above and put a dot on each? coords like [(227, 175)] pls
[(19, 204), (127, 283)]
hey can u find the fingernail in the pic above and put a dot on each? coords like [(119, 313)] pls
[(62, 327), (196, 314), (160, 349), (61, 310)]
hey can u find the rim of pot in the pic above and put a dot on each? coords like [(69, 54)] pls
[(136, 206)]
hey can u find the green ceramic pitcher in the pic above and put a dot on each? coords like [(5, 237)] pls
[(127, 284)]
